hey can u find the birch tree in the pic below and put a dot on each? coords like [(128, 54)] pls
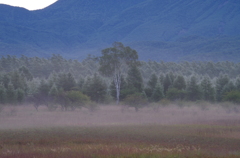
[(116, 60)]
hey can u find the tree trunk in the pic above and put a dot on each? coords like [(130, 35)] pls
[(117, 81), (118, 93)]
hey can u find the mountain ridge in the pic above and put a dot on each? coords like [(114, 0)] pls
[(158, 30)]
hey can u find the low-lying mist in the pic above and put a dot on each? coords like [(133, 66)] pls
[(26, 116)]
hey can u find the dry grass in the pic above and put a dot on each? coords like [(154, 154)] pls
[(170, 132)]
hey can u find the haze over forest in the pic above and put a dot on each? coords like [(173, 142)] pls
[(176, 30)]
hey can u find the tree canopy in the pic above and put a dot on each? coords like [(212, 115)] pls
[(116, 72), (115, 60)]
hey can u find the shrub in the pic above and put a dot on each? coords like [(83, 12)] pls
[(92, 106), (77, 98), (175, 94), (233, 96), (136, 100)]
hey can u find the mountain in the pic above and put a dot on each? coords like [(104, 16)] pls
[(169, 30)]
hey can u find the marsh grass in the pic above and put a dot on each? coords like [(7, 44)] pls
[(123, 141), (171, 132)]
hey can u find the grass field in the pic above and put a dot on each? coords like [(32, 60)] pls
[(171, 132)]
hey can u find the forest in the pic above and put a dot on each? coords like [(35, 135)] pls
[(71, 84)]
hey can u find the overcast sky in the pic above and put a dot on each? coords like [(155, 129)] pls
[(29, 4)]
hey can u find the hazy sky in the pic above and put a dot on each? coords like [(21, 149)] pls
[(29, 4)]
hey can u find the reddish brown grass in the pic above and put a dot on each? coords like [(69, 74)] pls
[(170, 132)]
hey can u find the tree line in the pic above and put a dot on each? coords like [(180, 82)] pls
[(116, 74)]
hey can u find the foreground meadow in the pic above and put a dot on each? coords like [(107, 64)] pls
[(170, 132)]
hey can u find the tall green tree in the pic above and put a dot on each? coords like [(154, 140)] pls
[(25, 73), (157, 94), (43, 89), (20, 95), (11, 94), (193, 89), (66, 81), (161, 79), (123, 89), (3, 94), (167, 83), (221, 81), (228, 87), (96, 88), (151, 85), (152, 81), (114, 61), (179, 83), (41, 95), (135, 80), (6, 79), (53, 92), (208, 92), (172, 76), (80, 84), (58, 62), (237, 84), (18, 81)]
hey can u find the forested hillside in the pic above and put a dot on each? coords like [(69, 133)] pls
[(39, 80)]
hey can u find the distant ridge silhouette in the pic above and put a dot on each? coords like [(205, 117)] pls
[(169, 30)]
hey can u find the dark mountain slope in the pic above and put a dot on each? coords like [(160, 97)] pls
[(16, 15), (60, 28), (159, 30), (191, 48), (79, 19), (180, 20), (168, 20)]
